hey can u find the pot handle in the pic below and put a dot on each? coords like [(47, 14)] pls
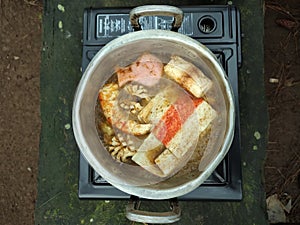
[(133, 214), (156, 10)]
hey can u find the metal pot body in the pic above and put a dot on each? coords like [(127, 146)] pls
[(123, 51)]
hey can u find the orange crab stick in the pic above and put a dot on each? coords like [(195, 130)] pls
[(173, 119)]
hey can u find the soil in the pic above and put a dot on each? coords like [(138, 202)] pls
[(282, 84), (20, 30), (21, 40)]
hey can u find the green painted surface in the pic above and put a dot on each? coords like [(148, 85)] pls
[(58, 201)]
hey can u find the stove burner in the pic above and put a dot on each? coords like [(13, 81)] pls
[(207, 24), (218, 27)]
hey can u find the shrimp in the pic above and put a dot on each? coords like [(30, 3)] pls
[(108, 97)]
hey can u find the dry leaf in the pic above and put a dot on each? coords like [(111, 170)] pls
[(275, 210)]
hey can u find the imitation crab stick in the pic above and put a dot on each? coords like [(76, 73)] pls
[(175, 134), (173, 119), (187, 136)]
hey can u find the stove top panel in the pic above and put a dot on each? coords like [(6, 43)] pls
[(218, 27)]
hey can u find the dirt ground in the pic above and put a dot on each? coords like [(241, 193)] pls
[(282, 82), (20, 30)]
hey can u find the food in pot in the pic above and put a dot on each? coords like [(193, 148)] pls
[(121, 149), (155, 109), (173, 131), (162, 120), (146, 70), (138, 91), (188, 76), (109, 103)]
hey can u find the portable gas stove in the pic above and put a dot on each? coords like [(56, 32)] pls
[(218, 27)]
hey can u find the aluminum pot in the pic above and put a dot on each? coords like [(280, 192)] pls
[(122, 51)]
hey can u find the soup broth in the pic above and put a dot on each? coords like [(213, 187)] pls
[(161, 116)]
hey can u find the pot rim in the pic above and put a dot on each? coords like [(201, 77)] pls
[(145, 191)]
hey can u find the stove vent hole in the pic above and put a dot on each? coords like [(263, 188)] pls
[(207, 24)]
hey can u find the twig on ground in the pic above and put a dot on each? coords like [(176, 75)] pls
[(293, 171), (281, 174), (295, 203), (273, 150), (280, 9), (280, 85), (49, 200), (296, 39), (291, 23), (286, 42), (33, 3)]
